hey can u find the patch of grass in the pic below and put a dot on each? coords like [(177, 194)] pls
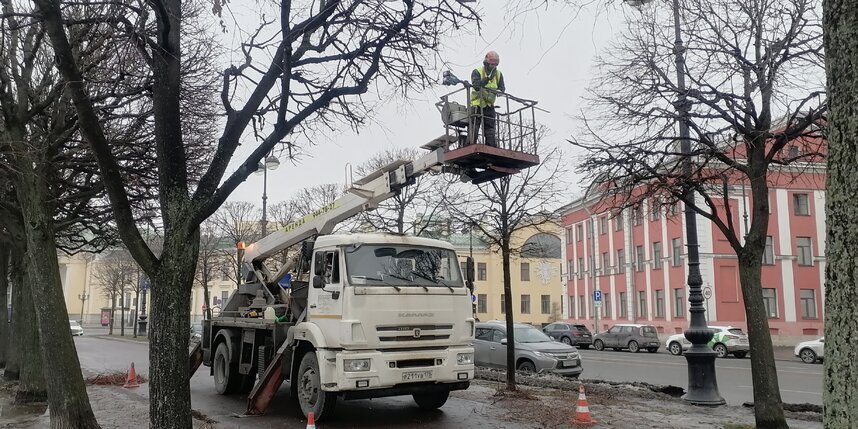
[(737, 426), (116, 378)]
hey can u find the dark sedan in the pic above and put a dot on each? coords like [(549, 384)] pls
[(571, 334)]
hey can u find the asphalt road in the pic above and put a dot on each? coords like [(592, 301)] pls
[(799, 382)]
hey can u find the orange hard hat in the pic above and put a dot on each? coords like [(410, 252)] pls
[(492, 58)]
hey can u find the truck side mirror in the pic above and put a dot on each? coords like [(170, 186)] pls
[(317, 282), (469, 269)]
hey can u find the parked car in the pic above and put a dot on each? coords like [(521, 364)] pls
[(534, 351), (628, 336), (810, 351), (726, 341), (197, 331), (567, 333), (76, 329)]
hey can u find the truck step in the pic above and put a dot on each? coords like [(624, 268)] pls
[(267, 385)]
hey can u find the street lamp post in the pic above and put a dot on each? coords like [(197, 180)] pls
[(82, 297), (702, 381), (271, 163)]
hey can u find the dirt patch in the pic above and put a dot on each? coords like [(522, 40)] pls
[(116, 378)]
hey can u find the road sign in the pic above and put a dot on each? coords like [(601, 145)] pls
[(597, 296), (707, 292), (597, 304)]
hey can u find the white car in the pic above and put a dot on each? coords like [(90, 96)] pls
[(76, 330), (810, 351), (727, 340)]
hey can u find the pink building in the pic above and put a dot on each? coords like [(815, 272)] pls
[(637, 260)]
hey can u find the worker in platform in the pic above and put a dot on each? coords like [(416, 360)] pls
[(484, 80)]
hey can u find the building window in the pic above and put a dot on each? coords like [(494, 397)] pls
[(224, 274), (606, 304), (589, 228), (808, 303), (224, 295), (800, 205), (770, 299), (569, 235), (606, 263), (571, 303), (582, 305), (623, 305), (525, 304), (503, 304), (793, 151), (769, 252), (639, 259), (525, 271), (642, 304), (546, 304), (655, 210), (678, 303), (579, 232), (580, 268), (676, 260), (621, 261), (481, 303), (570, 269), (656, 255), (805, 254), (618, 222), (659, 303), (637, 215), (481, 271), (673, 209), (603, 225)]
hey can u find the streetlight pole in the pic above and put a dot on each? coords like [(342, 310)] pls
[(82, 297), (271, 163), (702, 381)]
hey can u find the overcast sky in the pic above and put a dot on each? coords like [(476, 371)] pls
[(546, 55)]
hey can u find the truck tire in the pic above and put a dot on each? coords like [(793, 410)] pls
[(311, 397), (226, 377), (431, 400)]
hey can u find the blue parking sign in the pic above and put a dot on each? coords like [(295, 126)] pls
[(597, 295)]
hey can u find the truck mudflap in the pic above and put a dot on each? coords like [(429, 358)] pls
[(405, 389)]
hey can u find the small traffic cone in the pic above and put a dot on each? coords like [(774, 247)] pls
[(131, 381), (311, 420), (582, 411)]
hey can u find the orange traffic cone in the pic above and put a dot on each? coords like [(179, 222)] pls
[(311, 420), (582, 411), (131, 381)]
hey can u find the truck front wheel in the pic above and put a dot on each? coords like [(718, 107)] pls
[(311, 397), (432, 400), (226, 377)]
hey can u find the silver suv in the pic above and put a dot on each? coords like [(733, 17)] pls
[(628, 336), (534, 351)]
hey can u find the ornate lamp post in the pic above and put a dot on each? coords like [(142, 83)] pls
[(82, 297), (271, 163), (702, 382)]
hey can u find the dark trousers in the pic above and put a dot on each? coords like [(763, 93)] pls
[(484, 116)]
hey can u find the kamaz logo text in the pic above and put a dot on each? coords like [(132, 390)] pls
[(416, 314)]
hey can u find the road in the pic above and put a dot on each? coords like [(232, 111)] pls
[(799, 382), (463, 410)]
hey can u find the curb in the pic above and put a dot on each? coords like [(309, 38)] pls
[(120, 339)]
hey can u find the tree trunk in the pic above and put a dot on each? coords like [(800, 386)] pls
[(13, 357), (4, 290), (768, 408), (510, 331), (31, 386), (136, 308), (68, 401), (122, 304), (170, 406), (840, 395)]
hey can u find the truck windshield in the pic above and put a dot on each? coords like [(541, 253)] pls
[(402, 265)]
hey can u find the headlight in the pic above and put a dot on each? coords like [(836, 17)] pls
[(546, 355), (465, 358), (355, 365)]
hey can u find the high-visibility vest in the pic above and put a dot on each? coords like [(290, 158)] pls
[(480, 98)]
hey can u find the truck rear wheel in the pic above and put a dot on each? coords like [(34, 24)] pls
[(311, 397), (226, 377), (431, 400)]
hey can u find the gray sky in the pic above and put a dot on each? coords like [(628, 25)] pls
[(546, 55)]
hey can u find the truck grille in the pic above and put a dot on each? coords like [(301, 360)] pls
[(414, 363), (413, 332)]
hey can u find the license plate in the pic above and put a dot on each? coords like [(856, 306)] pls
[(570, 363), (416, 375)]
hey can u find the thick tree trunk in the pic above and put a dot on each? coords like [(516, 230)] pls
[(4, 290), (840, 396), (170, 406), (768, 408), (510, 327), (31, 386), (112, 313), (13, 357)]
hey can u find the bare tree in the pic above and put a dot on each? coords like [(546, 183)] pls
[(499, 209), (307, 200), (408, 211), (115, 273), (235, 221), (746, 64), (301, 78), (209, 256), (840, 407)]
